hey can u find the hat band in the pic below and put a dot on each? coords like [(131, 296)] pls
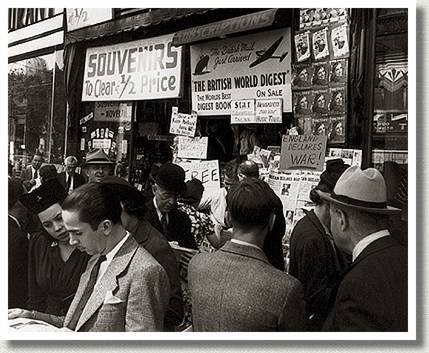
[(354, 202)]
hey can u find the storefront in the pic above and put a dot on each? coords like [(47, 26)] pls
[(36, 104), (224, 82)]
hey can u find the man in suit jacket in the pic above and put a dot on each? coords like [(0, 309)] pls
[(161, 211), (30, 174), (123, 288), (69, 179), (236, 288), (373, 293)]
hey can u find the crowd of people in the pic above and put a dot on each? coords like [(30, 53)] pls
[(92, 253)]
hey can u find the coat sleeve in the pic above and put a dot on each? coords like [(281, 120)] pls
[(292, 317), (147, 300), (36, 296)]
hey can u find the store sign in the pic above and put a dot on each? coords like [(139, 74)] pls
[(23, 17), (139, 70), (101, 143), (194, 148), (243, 111), (303, 152), (268, 111), (256, 66), (183, 124), (205, 171), (112, 111), (84, 17)]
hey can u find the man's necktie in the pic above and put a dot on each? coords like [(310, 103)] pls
[(35, 175), (68, 183), (86, 294), (164, 224)]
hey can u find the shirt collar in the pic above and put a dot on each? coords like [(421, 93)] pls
[(245, 243), (111, 254), (363, 243), (158, 212)]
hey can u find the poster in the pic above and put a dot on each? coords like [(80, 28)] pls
[(338, 129), (340, 42), (303, 152), (320, 44), (337, 103), (338, 73), (183, 124), (268, 111), (302, 46), (302, 102), (320, 74), (254, 66), (205, 171), (243, 111), (192, 147), (144, 69), (302, 75), (321, 126), (321, 99)]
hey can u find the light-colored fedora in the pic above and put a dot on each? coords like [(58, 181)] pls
[(97, 156), (364, 190)]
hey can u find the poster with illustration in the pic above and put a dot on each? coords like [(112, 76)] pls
[(302, 46), (306, 17), (321, 101), (339, 40), (320, 44), (302, 75), (302, 102), (338, 130), (338, 73), (320, 74), (321, 126), (337, 104)]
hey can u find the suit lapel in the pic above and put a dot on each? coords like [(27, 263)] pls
[(109, 280)]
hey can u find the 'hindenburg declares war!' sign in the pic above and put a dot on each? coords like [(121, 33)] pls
[(303, 152), (139, 70), (255, 66)]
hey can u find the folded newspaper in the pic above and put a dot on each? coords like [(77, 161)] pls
[(32, 325)]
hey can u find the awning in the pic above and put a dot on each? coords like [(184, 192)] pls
[(131, 23), (221, 28)]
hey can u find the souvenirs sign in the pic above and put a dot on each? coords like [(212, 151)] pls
[(303, 152), (139, 70), (255, 66), (112, 111)]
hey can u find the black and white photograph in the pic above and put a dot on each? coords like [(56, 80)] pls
[(109, 231)]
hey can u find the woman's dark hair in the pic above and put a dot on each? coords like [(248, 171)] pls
[(95, 202), (47, 171)]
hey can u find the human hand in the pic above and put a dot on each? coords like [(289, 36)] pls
[(16, 313)]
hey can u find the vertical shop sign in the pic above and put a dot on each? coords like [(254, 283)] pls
[(255, 66), (303, 152), (139, 70)]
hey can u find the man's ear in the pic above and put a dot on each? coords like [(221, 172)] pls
[(107, 226), (343, 219), (228, 220)]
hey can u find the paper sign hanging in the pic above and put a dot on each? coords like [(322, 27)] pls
[(193, 148)]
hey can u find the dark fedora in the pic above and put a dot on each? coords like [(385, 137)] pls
[(47, 194), (328, 179), (171, 177)]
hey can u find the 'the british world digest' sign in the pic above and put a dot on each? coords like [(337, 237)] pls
[(139, 70), (255, 66)]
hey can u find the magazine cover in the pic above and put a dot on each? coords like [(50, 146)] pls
[(302, 75), (320, 75), (320, 44), (302, 46)]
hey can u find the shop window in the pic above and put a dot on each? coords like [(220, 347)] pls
[(390, 119), (36, 108)]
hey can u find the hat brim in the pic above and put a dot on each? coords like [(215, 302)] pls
[(387, 210), (99, 162)]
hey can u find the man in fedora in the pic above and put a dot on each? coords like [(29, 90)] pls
[(161, 211), (70, 179), (98, 165), (373, 293)]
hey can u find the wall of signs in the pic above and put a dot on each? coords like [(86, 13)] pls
[(320, 70)]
